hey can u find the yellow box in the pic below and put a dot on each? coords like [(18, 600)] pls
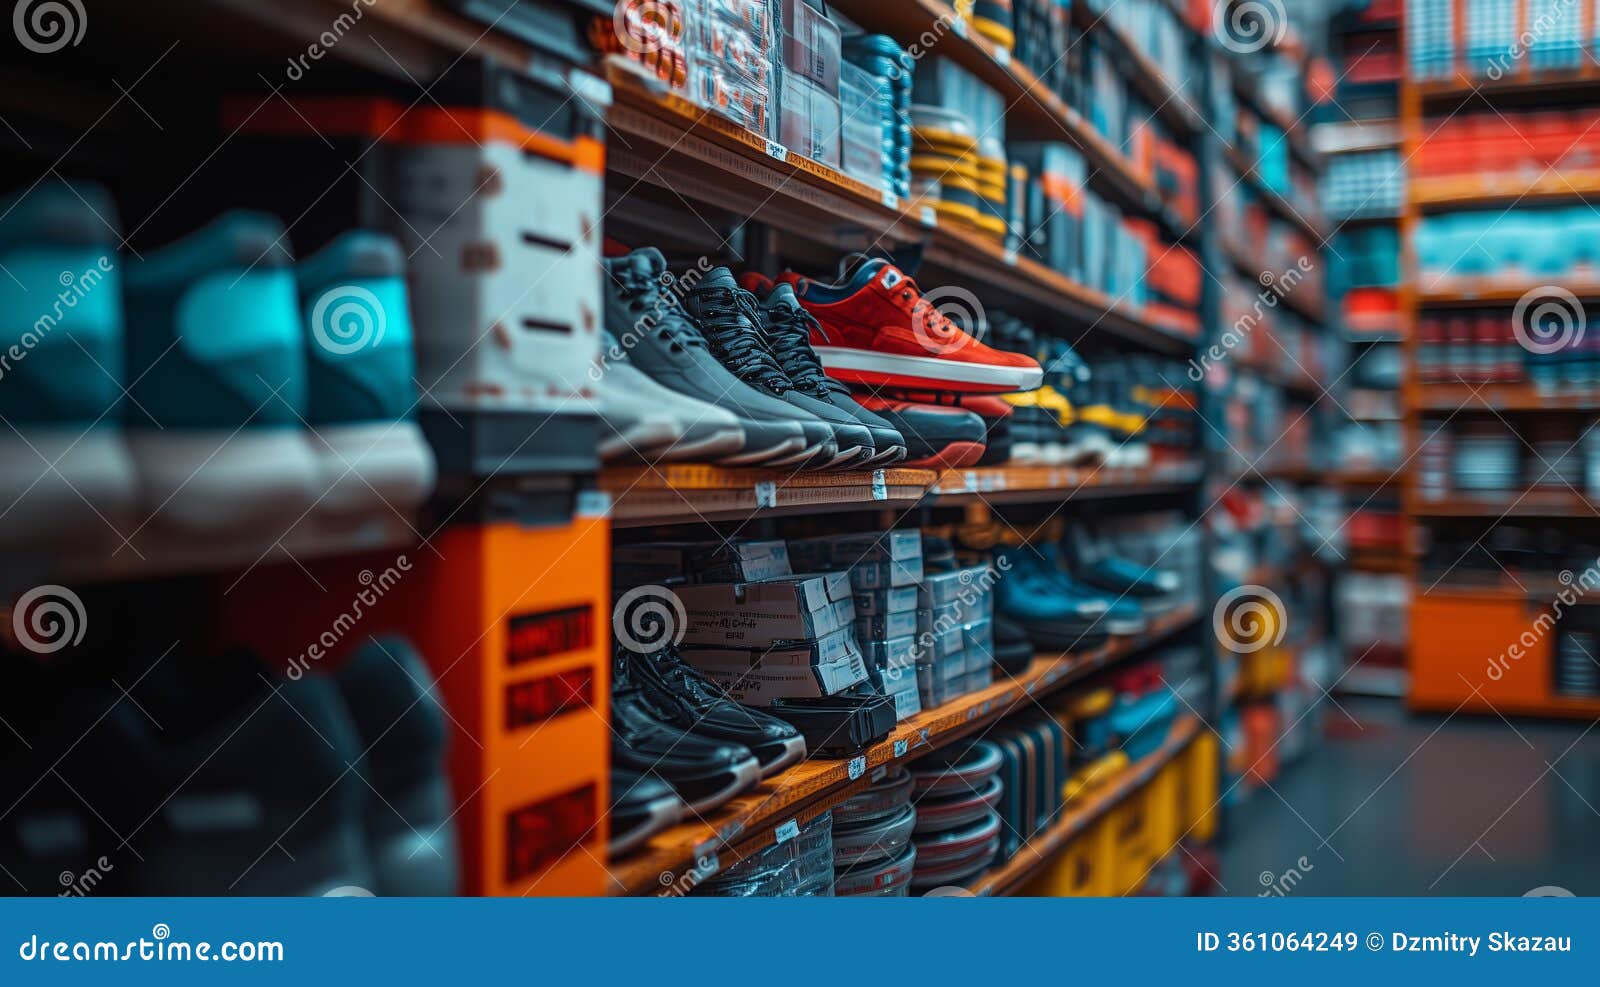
[(1161, 807), (1133, 850), (1199, 767), (1081, 870)]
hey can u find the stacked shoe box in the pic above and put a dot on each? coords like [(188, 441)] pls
[(959, 130), (1054, 212), (883, 570), (808, 71), (651, 34), (955, 634), (729, 46), (888, 72)]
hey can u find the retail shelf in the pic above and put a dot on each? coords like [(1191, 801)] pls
[(1355, 136), (152, 552), (1477, 292), (1564, 708), (1245, 91), (1307, 305), (1523, 82), (1500, 397), (685, 493), (1147, 77), (1280, 206), (750, 822), (705, 157), (1556, 503), (1489, 190), (1033, 110), (1375, 560), (997, 484), (1042, 847)]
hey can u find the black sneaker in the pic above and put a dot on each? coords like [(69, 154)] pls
[(409, 812), (789, 328), (731, 320), (642, 805), (650, 325), (705, 772), (689, 701)]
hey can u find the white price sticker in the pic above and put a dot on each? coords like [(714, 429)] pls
[(1011, 256), (880, 485), (787, 831), (890, 200), (1003, 56), (857, 766), (930, 216), (959, 26), (776, 150), (766, 494), (900, 747)]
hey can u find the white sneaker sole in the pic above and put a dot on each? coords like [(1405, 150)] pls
[(371, 467), (249, 481), (89, 498), (929, 368)]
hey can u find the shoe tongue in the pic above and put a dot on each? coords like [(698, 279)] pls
[(719, 277), (859, 269), (782, 298)]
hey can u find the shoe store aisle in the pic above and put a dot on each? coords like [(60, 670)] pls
[(784, 447), (1425, 806)]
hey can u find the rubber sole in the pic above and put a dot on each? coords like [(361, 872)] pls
[(369, 467), (870, 367), (85, 499), (721, 442), (640, 441), (244, 481), (893, 454), (743, 775), (954, 456), (651, 819), (792, 752)]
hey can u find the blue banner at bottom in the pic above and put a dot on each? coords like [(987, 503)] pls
[(793, 941)]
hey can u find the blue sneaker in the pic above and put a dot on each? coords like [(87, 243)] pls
[(64, 469), (1032, 595), (1123, 615), (216, 349), (359, 362)]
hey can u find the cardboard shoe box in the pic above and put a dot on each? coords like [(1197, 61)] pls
[(798, 670), (741, 560), (888, 600), (759, 614), (883, 627)]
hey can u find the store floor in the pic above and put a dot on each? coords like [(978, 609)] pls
[(1391, 803)]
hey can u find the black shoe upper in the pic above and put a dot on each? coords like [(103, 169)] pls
[(686, 699), (642, 741)]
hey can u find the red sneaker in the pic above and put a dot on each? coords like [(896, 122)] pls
[(877, 328)]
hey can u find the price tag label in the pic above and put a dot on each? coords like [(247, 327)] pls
[(787, 831), (1003, 56), (959, 26), (776, 150), (880, 486), (929, 216), (857, 766), (972, 482), (766, 494), (890, 200), (1011, 256), (900, 747)]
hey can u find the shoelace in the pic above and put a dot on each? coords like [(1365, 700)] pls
[(664, 311), (927, 315), (732, 318), (791, 329)]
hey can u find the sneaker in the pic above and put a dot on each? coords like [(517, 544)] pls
[(226, 783), (937, 437), (641, 418), (705, 772), (876, 329), (1000, 430), (659, 338), (733, 324), (65, 471), (401, 725), (642, 805), (216, 352), (370, 453), (790, 329), (687, 699)]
